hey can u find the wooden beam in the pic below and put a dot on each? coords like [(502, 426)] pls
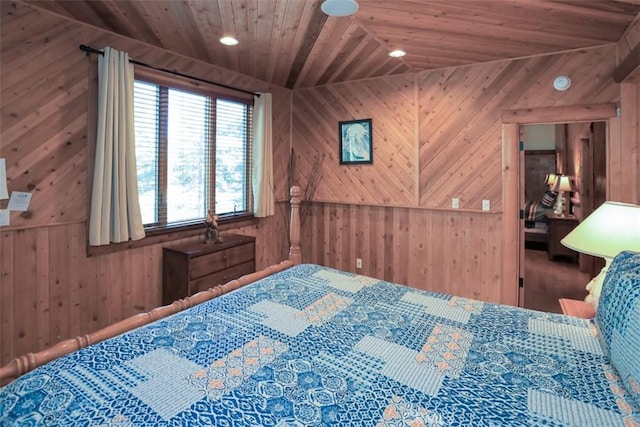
[(630, 64), (572, 114), (313, 31)]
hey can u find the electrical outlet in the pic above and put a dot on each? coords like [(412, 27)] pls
[(486, 205), (359, 263), (455, 203)]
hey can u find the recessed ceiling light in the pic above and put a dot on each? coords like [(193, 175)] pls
[(339, 7), (397, 53), (562, 82), (229, 40)]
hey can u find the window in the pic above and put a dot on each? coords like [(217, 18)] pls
[(192, 153)]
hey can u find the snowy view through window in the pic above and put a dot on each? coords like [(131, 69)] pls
[(231, 157), (189, 157)]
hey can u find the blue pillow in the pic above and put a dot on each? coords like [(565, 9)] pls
[(618, 318)]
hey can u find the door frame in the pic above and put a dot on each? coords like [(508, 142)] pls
[(512, 163)]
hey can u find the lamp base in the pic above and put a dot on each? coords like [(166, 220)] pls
[(558, 208), (562, 207), (595, 285)]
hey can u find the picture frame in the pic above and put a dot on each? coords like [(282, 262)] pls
[(356, 142)]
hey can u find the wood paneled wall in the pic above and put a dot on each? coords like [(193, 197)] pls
[(391, 103), (45, 102), (444, 251), (49, 289), (437, 135)]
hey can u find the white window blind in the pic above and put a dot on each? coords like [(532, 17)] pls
[(185, 168), (232, 156), (147, 124)]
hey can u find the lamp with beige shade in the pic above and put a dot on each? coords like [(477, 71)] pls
[(562, 184), (612, 228)]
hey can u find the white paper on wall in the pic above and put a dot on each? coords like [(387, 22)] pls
[(4, 217), (19, 201), (4, 193)]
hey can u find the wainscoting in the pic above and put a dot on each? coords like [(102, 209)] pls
[(437, 250)]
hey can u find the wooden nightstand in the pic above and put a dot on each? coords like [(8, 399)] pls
[(559, 227), (194, 267), (577, 308)]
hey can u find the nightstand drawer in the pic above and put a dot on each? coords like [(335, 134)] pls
[(191, 268), (217, 261), (222, 277)]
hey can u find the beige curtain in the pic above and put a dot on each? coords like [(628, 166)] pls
[(263, 197), (115, 209)]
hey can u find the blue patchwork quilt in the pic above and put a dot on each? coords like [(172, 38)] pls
[(315, 346)]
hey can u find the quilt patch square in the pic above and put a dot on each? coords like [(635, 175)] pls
[(438, 307), (571, 412), (230, 372), (281, 318), (166, 391), (580, 337), (345, 282), (401, 365), (446, 349), (400, 413), (324, 308), (472, 306)]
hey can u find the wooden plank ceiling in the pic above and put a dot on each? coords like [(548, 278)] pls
[(291, 43)]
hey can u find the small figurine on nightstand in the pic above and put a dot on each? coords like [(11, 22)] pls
[(212, 235)]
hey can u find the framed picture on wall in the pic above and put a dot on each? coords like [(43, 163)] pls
[(356, 143)]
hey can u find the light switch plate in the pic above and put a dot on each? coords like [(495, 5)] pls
[(486, 205)]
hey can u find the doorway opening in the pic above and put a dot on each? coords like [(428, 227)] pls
[(512, 289), (577, 153)]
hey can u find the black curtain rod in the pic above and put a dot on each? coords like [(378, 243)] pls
[(89, 50)]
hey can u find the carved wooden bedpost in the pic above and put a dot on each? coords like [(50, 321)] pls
[(295, 253)]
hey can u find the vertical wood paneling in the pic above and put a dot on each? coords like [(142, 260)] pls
[(24, 297), (7, 349), (425, 249), (43, 300)]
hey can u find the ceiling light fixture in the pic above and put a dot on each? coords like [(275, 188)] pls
[(397, 53), (339, 7), (561, 83), (229, 40)]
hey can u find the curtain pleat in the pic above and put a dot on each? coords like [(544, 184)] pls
[(262, 145), (115, 208)]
